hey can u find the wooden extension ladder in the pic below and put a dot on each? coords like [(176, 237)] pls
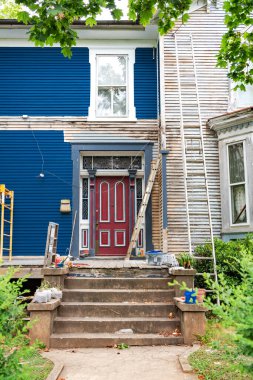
[(6, 231), (143, 207), (198, 207)]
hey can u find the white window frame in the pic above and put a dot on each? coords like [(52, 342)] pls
[(130, 112), (245, 183)]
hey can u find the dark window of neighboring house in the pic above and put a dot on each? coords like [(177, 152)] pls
[(237, 182)]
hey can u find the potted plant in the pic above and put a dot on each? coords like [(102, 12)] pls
[(185, 260), (190, 295)]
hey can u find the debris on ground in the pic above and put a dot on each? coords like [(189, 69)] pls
[(125, 331), (176, 332)]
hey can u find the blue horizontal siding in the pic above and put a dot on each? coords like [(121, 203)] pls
[(145, 83), (41, 82), (37, 200)]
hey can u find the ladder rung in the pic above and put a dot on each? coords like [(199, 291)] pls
[(7, 206), (7, 221), (193, 148), (7, 235), (6, 249), (191, 174), (194, 159), (197, 177)]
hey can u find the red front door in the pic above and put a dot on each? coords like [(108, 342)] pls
[(112, 216)]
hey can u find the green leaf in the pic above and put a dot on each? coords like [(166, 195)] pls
[(185, 18), (90, 21), (66, 51), (117, 14), (23, 17)]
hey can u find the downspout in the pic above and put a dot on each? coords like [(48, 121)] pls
[(164, 152)]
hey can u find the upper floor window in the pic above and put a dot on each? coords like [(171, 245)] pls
[(237, 181), (112, 84)]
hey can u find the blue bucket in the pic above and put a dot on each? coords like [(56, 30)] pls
[(190, 296)]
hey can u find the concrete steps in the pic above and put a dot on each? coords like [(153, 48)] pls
[(94, 311), (117, 283), (113, 325), (116, 309), (77, 340), (117, 295)]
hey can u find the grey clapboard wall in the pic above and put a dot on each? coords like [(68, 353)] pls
[(206, 30)]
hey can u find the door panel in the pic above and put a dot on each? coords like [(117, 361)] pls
[(104, 202), (112, 216)]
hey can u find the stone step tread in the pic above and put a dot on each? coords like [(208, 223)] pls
[(79, 278), (110, 304), (96, 340), (116, 319), (118, 290), (109, 336)]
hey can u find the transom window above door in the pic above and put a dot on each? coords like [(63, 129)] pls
[(112, 84), (112, 162)]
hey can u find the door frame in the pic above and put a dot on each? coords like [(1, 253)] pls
[(76, 153)]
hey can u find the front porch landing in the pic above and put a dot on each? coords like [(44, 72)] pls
[(33, 266)]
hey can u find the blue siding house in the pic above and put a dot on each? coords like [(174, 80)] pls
[(83, 129)]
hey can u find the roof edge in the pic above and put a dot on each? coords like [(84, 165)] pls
[(81, 23), (231, 119)]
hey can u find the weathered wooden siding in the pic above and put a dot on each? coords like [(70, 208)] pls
[(206, 30)]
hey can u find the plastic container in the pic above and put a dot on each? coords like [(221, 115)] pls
[(55, 293), (154, 257), (190, 296)]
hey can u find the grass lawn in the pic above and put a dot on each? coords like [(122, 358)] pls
[(219, 358), (35, 367)]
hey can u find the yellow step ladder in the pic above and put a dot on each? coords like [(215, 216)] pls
[(6, 221)]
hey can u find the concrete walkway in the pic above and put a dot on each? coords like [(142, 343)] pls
[(135, 363)]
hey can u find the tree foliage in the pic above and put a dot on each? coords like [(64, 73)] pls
[(51, 22), (237, 44), (9, 9)]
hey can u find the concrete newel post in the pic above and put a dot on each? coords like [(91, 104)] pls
[(42, 317), (55, 276), (192, 316), (182, 275), (192, 320)]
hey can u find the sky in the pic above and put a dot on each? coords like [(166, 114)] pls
[(122, 4)]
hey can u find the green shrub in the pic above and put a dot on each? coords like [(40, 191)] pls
[(236, 305), (18, 359), (12, 326), (228, 257)]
